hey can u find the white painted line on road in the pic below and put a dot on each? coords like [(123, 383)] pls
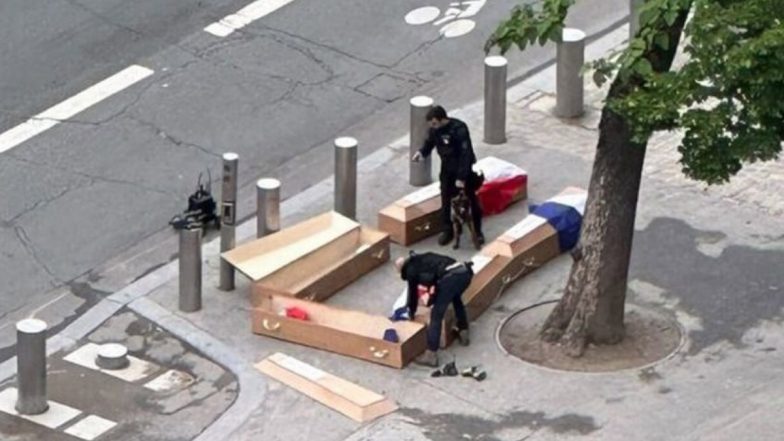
[(245, 16), (70, 107), (46, 305)]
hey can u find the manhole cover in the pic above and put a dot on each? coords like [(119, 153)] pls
[(651, 336)]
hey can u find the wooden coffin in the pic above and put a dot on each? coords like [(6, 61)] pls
[(354, 401), (262, 257), (313, 259), (521, 249), (414, 217), (532, 241), (329, 269), (351, 333)]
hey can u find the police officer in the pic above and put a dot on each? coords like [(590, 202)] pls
[(450, 137), (450, 279)]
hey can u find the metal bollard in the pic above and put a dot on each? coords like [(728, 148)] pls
[(190, 270), (420, 173), (267, 206), (495, 100), (31, 367), (346, 177), (634, 17), (569, 83), (228, 218)]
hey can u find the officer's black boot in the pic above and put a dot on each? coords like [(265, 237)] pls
[(445, 238)]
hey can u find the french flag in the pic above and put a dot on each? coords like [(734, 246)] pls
[(504, 183)]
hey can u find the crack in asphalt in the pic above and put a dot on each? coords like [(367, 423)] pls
[(307, 53), (21, 234), (7, 313), (369, 95), (171, 138), (103, 18), (327, 47), (42, 202), (75, 121), (93, 179), (422, 46)]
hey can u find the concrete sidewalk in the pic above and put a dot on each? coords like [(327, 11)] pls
[(709, 257)]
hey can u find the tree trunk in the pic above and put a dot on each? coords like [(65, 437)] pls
[(592, 307)]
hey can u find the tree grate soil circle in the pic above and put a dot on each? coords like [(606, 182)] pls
[(651, 336)]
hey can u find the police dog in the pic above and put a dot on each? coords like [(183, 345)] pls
[(462, 215)]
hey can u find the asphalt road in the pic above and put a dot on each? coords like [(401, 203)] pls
[(84, 205)]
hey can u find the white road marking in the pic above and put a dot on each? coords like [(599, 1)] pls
[(47, 304), (458, 11), (458, 28), (422, 15), (90, 428), (57, 414), (137, 369), (70, 107), (245, 16)]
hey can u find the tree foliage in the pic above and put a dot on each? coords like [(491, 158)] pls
[(728, 96)]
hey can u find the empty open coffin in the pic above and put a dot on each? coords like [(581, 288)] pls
[(347, 332), (313, 259)]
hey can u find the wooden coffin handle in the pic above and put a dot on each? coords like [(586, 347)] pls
[(379, 255), (269, 327), (425, 227), (378, 353)]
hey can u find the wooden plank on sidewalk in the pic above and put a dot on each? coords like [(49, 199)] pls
[(352, 400)]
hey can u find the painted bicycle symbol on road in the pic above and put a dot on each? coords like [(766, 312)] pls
[(455, 19)]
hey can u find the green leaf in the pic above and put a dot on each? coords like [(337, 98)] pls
[(648, 16), (662, 40), (670, 16)]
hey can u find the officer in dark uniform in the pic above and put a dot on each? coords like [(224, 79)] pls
[(452, 141), (450, 279)]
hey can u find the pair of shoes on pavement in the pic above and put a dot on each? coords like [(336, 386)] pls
[(449, 370), (446, 238), (474, 373)]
